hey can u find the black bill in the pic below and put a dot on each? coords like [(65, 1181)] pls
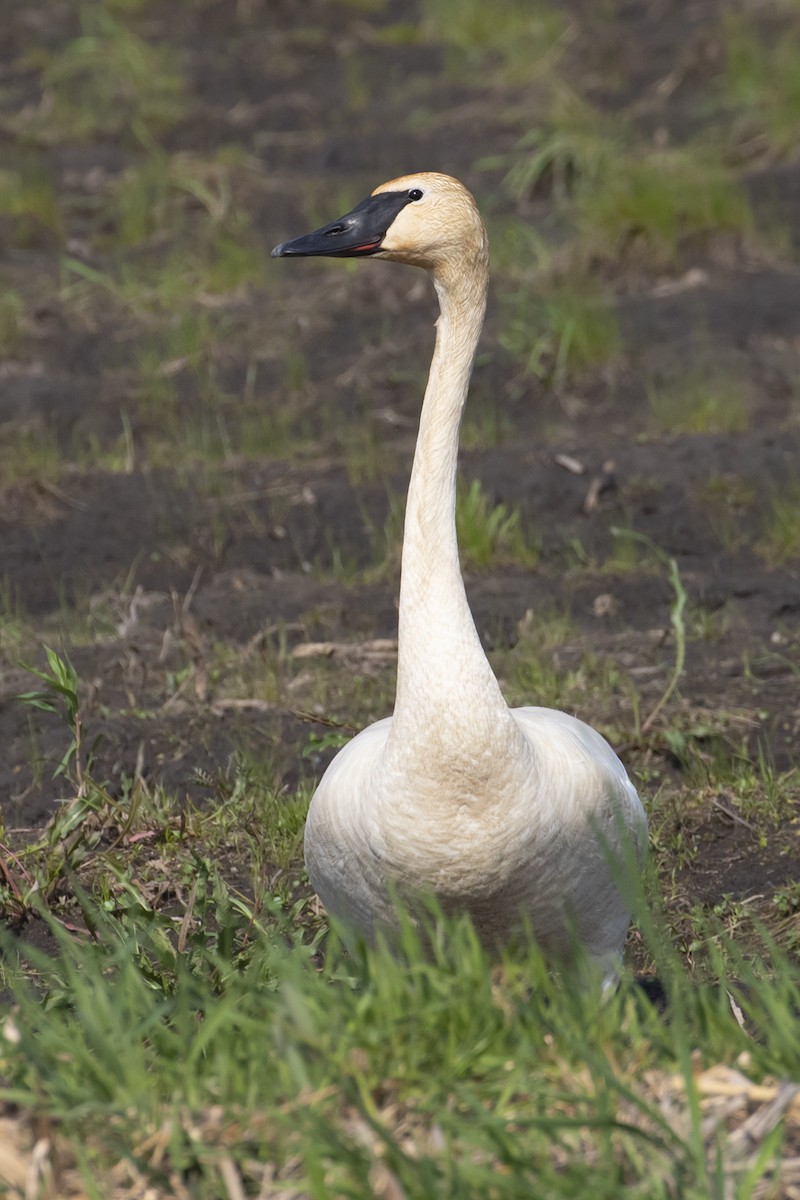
[(360, 232)]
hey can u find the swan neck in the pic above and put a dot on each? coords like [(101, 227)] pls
[(432, 488), (443, 673)]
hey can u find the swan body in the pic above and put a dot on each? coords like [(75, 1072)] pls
[(524, 818)]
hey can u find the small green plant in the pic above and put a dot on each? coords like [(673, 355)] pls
[(28, 199), (156, 195), (617, 192), (658, 198), (575, 146), (356, 81), (700, 401), (218, 263), (761, 79), (11, 308), (110, 81), (743, 779), (490, 533), (631, 552), (517, 246), (60, 696), (513, 44), (96, 844), (727, 501), (708, 624), (780, 533), (30, 449), (252, 799), (363, 450), (677, 620), (485, 425), (549, 667), (16, 628), (787, 900), (72, 838), (559, 329)]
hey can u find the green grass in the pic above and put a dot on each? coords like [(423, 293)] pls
[(11, 310), (180, 258), (16, 626), (551, 666), (260, 673), (701, 400), (254, 808), (170, 191), (490, 534), (601, 677), (576, 145), (631, 552), (485, 425), (265, 427), (225, 260), (760, 80), (724, 784), (511, 45), (761, 794), (30, 450), (351, 698), (619, 196), (175, 398), (28, 197), (363, 449), (514, 242), (430, 1072), (727, 501), (559, 329), (656, 199), (780, 531), (106, 838), (109, 81), (183, 289)]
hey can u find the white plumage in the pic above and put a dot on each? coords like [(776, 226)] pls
[(521, 817)]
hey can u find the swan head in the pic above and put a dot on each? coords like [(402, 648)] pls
[(428, 220)]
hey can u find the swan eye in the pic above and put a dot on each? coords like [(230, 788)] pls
[(415, 194)]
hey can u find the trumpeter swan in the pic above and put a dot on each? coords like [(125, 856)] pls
[(518, 816)]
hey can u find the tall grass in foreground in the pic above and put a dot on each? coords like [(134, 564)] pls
[(424, 1074)]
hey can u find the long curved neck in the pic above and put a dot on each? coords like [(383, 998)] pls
[(446, 691)]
